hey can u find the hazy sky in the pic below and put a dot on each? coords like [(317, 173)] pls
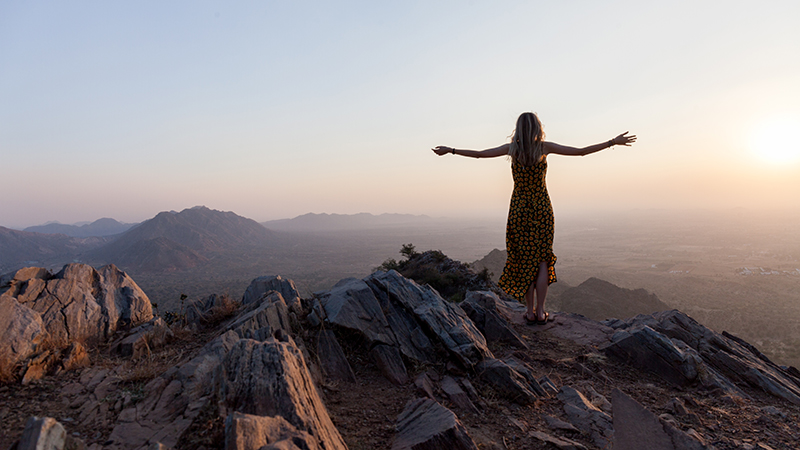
[(273, 109)]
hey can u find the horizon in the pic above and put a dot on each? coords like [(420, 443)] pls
[(272, 110)]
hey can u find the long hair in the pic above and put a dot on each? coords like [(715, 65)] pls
[(527, 147)]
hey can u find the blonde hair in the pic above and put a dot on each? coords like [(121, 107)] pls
[(527, 143)]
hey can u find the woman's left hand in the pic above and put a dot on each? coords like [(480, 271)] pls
[(442, 150), (624, 139)]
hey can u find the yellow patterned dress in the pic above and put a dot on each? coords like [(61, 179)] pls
[(529, 232)]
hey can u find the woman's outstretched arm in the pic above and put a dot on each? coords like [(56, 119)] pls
[(558, 149), (488, 153)]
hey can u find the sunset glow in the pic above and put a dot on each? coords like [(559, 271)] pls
[(777, 141)]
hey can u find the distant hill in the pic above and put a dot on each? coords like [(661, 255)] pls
[(335, 222), (175, 241), (598, 299), (100, 227), (22, 248)]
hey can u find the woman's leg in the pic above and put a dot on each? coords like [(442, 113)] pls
[(541, 290), (530, 314)]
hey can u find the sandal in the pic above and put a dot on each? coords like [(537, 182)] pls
[(529, 321), (544, 321)]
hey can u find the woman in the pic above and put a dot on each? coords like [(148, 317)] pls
[(530, 267)]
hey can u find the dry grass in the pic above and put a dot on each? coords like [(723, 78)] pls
[(223, 309)]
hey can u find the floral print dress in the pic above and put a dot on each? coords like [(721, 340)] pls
[(529, 231)]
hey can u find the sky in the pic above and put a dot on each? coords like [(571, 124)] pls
[(274, 109)]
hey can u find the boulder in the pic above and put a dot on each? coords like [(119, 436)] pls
[(426, 425), (78, 304), (46, 433), (457, 395), (271, 379), (21, 331), (484, 310), (262, 285), (387, 308), (634, 424), (444, 322), (727, 361), (586, 417), (506, 381), (332, 359), (172, 400), (390, 363), (248, 432), (263, 318)]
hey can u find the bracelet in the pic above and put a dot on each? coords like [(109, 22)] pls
[(610, 143), (454, 150)]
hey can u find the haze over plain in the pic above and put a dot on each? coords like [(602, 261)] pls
[(273, 109)]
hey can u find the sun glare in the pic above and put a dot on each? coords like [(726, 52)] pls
[(778, 141)]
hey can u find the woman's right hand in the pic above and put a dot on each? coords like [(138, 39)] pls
[(442, 150)]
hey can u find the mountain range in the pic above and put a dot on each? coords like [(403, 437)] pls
[(170, 241), (100, 227), (337, 222)]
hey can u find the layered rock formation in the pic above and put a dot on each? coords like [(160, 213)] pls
[(42, 312), (259, 374)]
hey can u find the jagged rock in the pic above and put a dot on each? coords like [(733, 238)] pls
[(248, 432), (672, 360), (78, 303), (524, 370), (548, 386), (426, 425), (726, 359), (37, 367), (271, 379), (558, 424), (424, 385), (351, 304), (172, 401), (42, 433), (509, 383), (390, 363), (21, 331), (447, 322), (47, 433), (75, 357), (633, 425), (262, 285), (482, 307), (389, 309), (263, 318), (331, 357), (560, 443), (586, 417), (143, 339), (457, 395)]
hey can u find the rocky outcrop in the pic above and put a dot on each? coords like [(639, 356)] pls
[(426, 425), (255, 368), (492, 317), (262, 285), (634, 424), (171, 401), (682, 351), (78, 304), (46, 433), (388, 309), (586, 417), (270, 379)]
